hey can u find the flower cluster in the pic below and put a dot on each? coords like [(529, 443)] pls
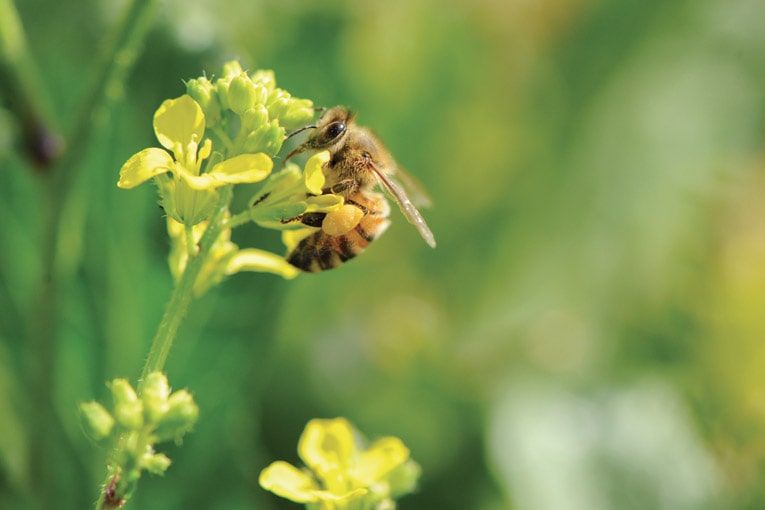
[(341, 474), (136, 424), (222, 133)]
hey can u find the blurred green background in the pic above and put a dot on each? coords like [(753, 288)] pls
[(589, 333)]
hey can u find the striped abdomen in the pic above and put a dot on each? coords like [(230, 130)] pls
[(321, 251)]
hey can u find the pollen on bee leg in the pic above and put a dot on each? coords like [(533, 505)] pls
[(342, 220)]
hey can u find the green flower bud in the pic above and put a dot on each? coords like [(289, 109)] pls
[(156, 463), (128, 409), (203, 92), (265, 77), (97, 420), (181, 415), (221, 91), (268, 138), (243, 94), (298, 114), (232, 68), (278, 103), (155, 396), (254, 118)]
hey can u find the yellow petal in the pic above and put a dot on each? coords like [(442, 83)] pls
[(314, 172), (240, 169), (289, 482), (335, 498), (179, 121), (252, 259), (382, 457), (323, 203), (327, 444), (143, 166)]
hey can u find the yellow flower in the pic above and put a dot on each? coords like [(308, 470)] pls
[(340, 475), (188, 193)]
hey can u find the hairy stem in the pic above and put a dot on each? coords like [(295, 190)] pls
[(183, 293), (113, 493)]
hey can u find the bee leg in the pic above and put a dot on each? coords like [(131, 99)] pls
[(340, 187), (363, 208), (313, 219)]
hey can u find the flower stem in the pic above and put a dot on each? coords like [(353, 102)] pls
[(183, 293), (239, 219)]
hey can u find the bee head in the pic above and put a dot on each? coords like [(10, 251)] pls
[(331, 129), (329, 132)]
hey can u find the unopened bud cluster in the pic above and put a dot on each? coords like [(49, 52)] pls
[(136, 423), (252, 102)]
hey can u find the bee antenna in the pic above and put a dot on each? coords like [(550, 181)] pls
[(298, 150), (297, 131)]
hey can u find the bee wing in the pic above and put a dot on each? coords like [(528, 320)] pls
[(406, 206), (415, 188)]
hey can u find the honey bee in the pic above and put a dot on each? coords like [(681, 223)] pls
[(358, 162)]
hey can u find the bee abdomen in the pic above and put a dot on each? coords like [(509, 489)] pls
[(321, 251)]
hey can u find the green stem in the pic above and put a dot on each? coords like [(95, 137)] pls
[(221, 134), (191, 246), (113, 496), (183, 293), (239, 219)]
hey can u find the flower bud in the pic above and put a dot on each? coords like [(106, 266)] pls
[(298, 114), (200, 90), (268, 138), (254, 118), (278, 103), (181, 415), (232, 68), (128, 409), (97, 420), (221, 91), (203, 92), (266, 78), (156, 463), (155, 396), (243, 94)]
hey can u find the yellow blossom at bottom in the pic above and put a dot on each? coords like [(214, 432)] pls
[(340, 473)]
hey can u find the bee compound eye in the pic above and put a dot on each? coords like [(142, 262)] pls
[(335, 129)]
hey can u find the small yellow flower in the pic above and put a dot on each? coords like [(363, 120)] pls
[(340, 475), (179, 125)]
